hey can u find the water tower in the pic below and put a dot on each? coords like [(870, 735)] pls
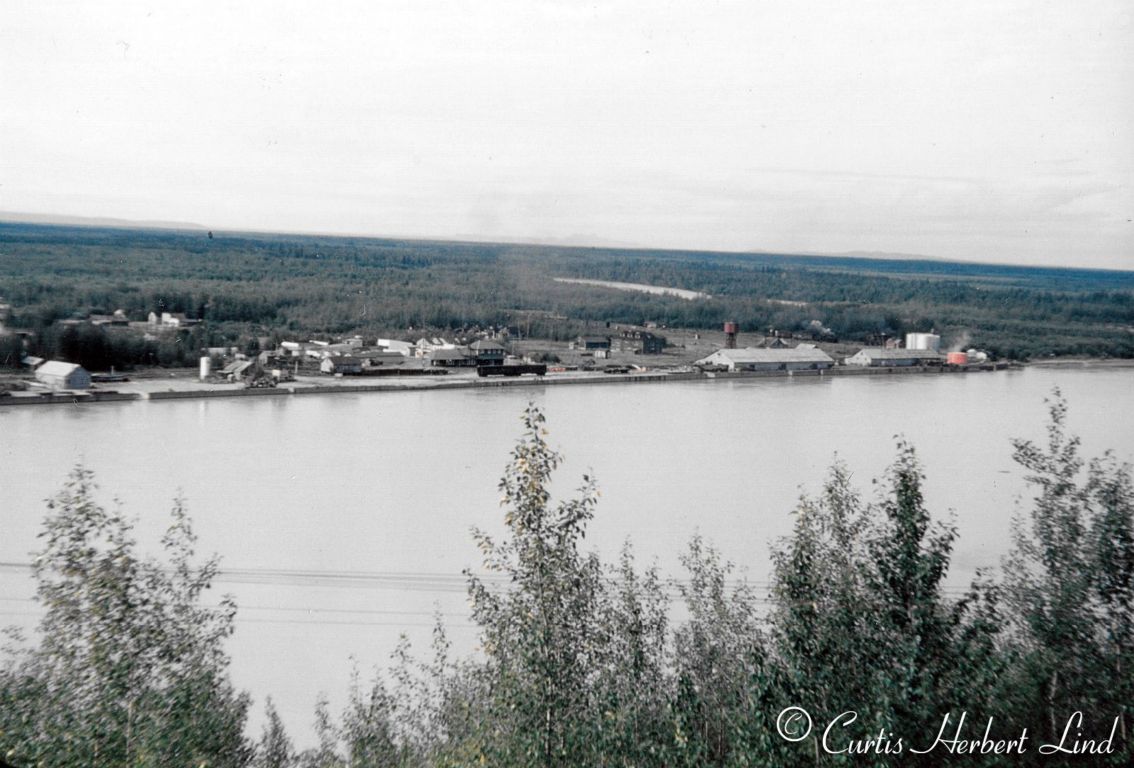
[(730, 330)]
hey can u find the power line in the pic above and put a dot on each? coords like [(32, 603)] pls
[(356, 623), (293, 609), (419, 581)]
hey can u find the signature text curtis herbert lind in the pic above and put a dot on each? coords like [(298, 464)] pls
[(794, 724)]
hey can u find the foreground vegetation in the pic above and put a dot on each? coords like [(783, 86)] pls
[(582, 664), (246, 286)]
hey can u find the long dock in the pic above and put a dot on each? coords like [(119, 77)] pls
[(188, 392)]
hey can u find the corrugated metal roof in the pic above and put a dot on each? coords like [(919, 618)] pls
[(57, 368), (750, 355), (236, 367), (878, 353)]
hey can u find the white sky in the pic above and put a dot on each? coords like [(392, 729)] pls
[(992, 131)]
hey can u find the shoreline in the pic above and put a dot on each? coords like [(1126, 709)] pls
[(193, 390), (1083, 362)]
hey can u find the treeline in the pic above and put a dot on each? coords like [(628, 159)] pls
[(97, 348), (582, 664), (297, 284)]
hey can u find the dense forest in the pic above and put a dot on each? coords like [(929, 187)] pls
[(582, 663), (249, 286)]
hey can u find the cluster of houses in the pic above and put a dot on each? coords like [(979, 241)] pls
[(170, 320), (353, 357), (119, 319)]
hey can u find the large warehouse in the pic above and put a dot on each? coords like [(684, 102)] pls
[(751, 359), (59, 375), (876, 357)]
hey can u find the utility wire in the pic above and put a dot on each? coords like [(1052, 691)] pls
[(410, 581)]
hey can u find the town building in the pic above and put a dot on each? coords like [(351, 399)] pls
[(593, 342), (450, 358), (394, 345), (752, 359), (878, 357), (643, 342), (238, 369), (342, 365), (60, 375), (488, 352), (117, 319), (423, 346), (172, 320)]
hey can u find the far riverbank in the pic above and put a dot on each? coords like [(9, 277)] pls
[(187, 387)]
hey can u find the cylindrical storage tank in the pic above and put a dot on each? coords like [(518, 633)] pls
[(731, 327), (927, 341), (206, 367), (956, 358)]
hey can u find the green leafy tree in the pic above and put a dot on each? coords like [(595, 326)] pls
[(862, 623), (827, 622), (631, 681), (908, 560), (130, 667), (1070, 582), (275, 749), (539, 636), (725, 688), (1112, 545), (326, 753)]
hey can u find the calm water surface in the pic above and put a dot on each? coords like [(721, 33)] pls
[(392, 483)]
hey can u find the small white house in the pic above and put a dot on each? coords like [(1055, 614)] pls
[(176, 320), (60, 375), (171, 320)]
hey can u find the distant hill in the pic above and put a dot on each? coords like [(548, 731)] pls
[(92, 221), (889, 256)]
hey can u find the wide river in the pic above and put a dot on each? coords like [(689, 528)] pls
[(343, 520)]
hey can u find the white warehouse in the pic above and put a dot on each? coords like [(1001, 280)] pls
[(60, 375), (751, 359), (877, 357)]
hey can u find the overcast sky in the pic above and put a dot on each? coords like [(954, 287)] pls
[(991, 131)]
